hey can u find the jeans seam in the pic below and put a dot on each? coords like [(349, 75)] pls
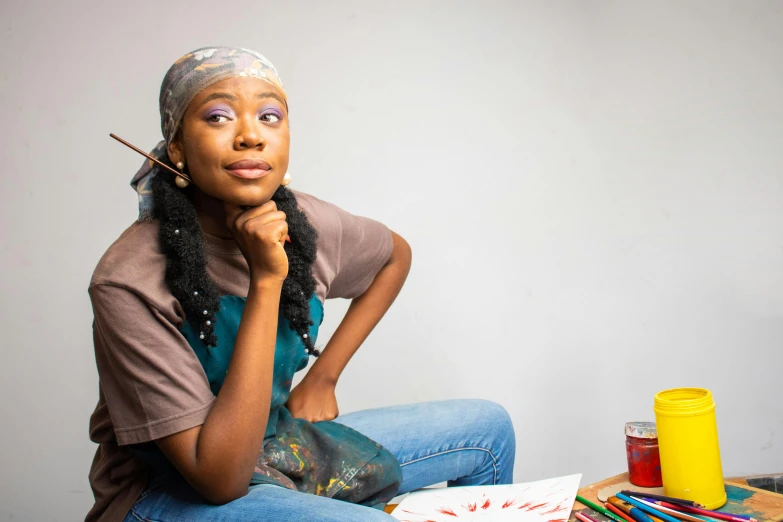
[(494, 460), (134, 515), (142, 519)]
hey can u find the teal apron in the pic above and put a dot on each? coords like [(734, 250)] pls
[(322, 458)]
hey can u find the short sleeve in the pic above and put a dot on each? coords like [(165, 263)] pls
[(151, 379), (351, 249)]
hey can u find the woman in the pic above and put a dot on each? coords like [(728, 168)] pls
[(206, 307)]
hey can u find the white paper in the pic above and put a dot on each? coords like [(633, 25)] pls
[(548, 500)]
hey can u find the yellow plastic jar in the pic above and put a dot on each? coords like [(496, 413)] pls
[(688, 445)]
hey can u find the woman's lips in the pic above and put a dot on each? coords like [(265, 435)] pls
[(249, 168)]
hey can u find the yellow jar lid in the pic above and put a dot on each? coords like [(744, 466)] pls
[(684, 401)]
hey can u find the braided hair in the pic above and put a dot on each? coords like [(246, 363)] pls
[(182, 242)]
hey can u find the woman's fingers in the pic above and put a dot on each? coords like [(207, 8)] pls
[(269, 217), (237, 216), (260, 233)]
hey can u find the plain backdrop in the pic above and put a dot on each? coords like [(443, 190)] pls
[(592, 190)]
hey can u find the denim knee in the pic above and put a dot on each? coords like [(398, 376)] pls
[(498, 423), (499, 430)]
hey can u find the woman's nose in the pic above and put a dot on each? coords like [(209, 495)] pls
[(249, 135)]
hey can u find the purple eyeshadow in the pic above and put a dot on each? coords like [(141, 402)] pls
[(223, 110), (273, 110), (220, 110)]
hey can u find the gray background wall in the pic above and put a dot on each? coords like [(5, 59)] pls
[(592, 191)]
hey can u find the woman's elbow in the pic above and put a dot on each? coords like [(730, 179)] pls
[(221, 489), (220, 495), (401, 251)]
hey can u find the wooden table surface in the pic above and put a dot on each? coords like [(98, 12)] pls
[(762, 505)]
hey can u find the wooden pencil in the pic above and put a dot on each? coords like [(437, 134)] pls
[(618, 512), (151, 158), (729, 517), (631, 511), (646, 508), (596, 507), (672, 512), (585, 518), (673, 500)]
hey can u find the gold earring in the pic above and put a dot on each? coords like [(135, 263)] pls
[(286, 179), (181, 181)]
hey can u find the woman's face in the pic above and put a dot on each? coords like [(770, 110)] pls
[(234, 140)]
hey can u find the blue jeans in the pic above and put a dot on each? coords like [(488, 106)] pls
[(463, 442)]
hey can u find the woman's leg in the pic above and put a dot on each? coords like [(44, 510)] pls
[(464, 442), (176, 501)]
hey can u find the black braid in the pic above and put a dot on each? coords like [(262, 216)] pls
[(182, 242), (299, 286)]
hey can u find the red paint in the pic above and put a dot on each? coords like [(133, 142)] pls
[(557, 508), (510, 502), (470, 507), (447, 511), (644, 462)]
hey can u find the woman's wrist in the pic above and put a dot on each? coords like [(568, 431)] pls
[(321, 376), (266, 283)]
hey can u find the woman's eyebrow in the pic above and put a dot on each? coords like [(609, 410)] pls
[(216, 95), (231, 97), (277, 97)]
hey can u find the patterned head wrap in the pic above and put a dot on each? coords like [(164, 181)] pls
[(188, 76)]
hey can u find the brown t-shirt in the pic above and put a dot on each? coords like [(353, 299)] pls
[(151, 382)]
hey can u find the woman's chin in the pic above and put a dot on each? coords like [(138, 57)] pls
[(246, 196), (250, 198)]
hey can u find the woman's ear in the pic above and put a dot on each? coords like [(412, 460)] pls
[(174, 149)]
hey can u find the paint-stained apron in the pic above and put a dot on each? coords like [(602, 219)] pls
[(322, 458)]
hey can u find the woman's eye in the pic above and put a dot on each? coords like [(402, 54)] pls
[(270, 117), (217, 118)]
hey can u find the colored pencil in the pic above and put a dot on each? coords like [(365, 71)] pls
[(618, 512), (640, 516), (729, 517), (599, 509), (585, 518), (639, 494), (672, 512), (648, 509), (633, 512)]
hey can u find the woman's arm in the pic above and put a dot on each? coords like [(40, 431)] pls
[(218, 458), (313, 399)]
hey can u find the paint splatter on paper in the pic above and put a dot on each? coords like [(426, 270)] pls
[(548, 500)]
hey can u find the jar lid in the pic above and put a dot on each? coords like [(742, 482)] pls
[(641, 430), (683, 402)]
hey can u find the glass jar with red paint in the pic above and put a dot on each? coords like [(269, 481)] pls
[(641, 447)]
